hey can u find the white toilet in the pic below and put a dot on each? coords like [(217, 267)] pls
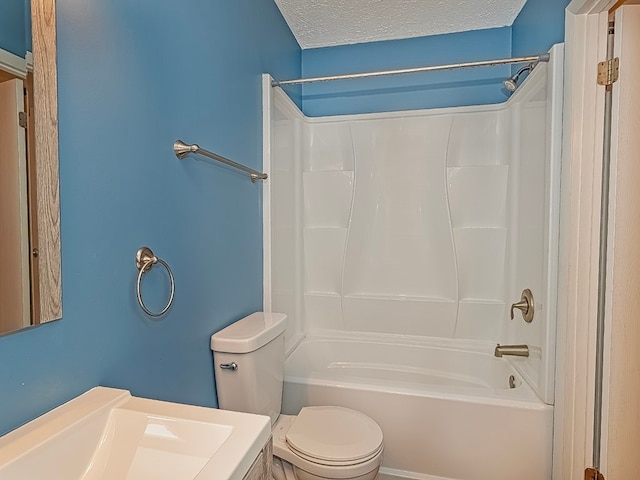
[(320, 442)]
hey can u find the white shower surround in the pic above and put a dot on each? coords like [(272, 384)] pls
[(417, 232), (495, 196)]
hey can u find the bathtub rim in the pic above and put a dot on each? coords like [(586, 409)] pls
[(522, 397)]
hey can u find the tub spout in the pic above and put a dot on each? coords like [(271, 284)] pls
[(515, 350)]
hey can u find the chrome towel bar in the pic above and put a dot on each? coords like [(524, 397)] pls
[(181, 150)]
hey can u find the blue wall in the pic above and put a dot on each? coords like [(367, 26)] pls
[(134, 77), (407, 92), (28, 45), (131, 81), (13, 33), (539, 25)]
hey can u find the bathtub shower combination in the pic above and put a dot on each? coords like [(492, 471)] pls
[(397, 243)]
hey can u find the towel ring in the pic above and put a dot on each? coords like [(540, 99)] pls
[(145, 260)]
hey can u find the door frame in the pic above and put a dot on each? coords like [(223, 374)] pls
[(15, 212), (583, 125)]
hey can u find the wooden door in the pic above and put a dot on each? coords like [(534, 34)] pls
[(621, 434), (14, 232)]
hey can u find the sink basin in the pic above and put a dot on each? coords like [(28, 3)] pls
[(108, 434)]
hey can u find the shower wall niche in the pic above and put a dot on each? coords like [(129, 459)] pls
[(424, 223)]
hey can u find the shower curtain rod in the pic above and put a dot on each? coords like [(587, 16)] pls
[(544, 57)]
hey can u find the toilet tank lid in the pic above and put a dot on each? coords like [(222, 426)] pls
[(249, 333)]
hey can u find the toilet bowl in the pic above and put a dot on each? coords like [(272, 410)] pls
[(321, 442)]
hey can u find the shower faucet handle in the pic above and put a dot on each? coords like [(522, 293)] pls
[(525, 305)]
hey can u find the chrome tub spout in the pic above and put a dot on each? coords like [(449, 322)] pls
[(515, 350)]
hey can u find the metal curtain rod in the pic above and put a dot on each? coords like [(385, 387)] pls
[(544, 57), (181, 150)]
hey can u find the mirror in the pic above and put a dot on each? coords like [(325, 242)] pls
[(30, 278)]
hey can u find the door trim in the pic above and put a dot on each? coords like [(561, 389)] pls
[(586, 37), (13, 64)]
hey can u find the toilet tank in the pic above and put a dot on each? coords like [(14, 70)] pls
[(248, 356)]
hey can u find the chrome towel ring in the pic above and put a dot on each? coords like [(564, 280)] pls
[(145, 260)]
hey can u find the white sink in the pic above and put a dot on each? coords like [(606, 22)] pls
[(108, 434)]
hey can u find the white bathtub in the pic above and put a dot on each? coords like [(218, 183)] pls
[(445, 407)]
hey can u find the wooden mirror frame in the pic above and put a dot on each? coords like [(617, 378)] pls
[(45, 82)]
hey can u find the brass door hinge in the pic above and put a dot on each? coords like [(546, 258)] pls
[(593, 474), (22, 119), (608, 71)]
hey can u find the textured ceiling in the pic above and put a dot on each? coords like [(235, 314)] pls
[(324, 23)]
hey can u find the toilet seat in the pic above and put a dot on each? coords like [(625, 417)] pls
[(330, 463), (361, 455), (334, 435)]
